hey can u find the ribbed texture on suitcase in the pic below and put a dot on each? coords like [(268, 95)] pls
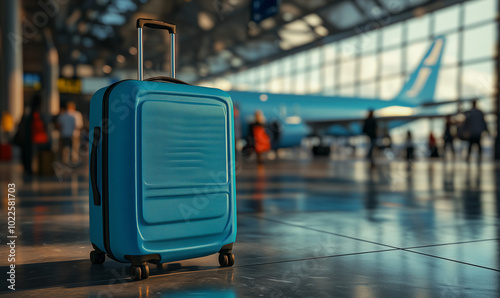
[(184, 168)]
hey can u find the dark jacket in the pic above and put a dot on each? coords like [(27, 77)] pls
[(370, 127)]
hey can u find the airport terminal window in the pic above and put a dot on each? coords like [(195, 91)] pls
[(348, 71), (480, 10), (329, 52), (390, 86), (418, 28), (414, 54), (446, 87), (479, 42), (391, 62), (450, 55), (376, 63), (368, 41), (368, 90), (477, 79), (392, 35), (369, 66), (446, 20)]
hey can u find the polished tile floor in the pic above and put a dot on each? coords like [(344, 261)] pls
[(309, 228)]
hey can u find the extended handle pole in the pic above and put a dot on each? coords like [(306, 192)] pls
[(140, 68), (140, 56)]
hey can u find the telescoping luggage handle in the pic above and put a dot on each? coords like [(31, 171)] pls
[(155, 24)]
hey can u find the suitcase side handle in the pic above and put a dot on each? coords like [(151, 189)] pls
[(93, 166), (155, 24)]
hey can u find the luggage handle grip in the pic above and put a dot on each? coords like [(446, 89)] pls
[(155, 24), (93, 166)]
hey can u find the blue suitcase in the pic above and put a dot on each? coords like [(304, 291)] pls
[(162, 171)]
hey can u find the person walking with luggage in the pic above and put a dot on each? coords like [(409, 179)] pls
[(370, 130), (448, 137), (258, 138), (474, 127)]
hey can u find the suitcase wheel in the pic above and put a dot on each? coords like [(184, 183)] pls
[(97, 257), (139, 272), (226, 259)]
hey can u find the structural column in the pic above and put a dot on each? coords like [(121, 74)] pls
[(11, 92), (50, 103), (497, 88)]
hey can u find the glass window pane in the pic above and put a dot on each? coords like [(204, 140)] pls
[(287, 83), (314, 81), (418, 28), (414, 55), (477, 79), (446, 87), (300, 83), (368, 90), (349, 47), (329, 90), (390, 87), (300, 60), (446, 19), (347, 70), (368, 41), (479, 42), (391, 36), (329, 75), (368, 67), (315, 57), (450, 55), (346, 90), (480, 11), (329, 52), (391, 62), (275, 85)]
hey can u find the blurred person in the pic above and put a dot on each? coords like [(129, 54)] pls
[(370, 130), (410, 147), (433, 147), (448, 137), (71, 110), (66, 123), (258, 139), (31, 133), (474, 127), (275, 127)]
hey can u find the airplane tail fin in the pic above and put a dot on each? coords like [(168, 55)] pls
[(421, 85)]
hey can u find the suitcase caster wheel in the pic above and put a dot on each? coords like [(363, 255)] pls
[(226, 259), (97, 258), (144, 271), (135, 272)]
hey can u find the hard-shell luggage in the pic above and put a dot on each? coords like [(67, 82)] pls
[(161, 170)]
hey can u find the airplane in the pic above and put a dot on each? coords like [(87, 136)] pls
[(299, 116)]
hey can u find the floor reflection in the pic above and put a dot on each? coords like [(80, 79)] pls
[(310, 228)]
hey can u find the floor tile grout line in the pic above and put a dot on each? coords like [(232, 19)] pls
[(451, 243), (326, 232), (368, 241), (320, 257), (451, 260)]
